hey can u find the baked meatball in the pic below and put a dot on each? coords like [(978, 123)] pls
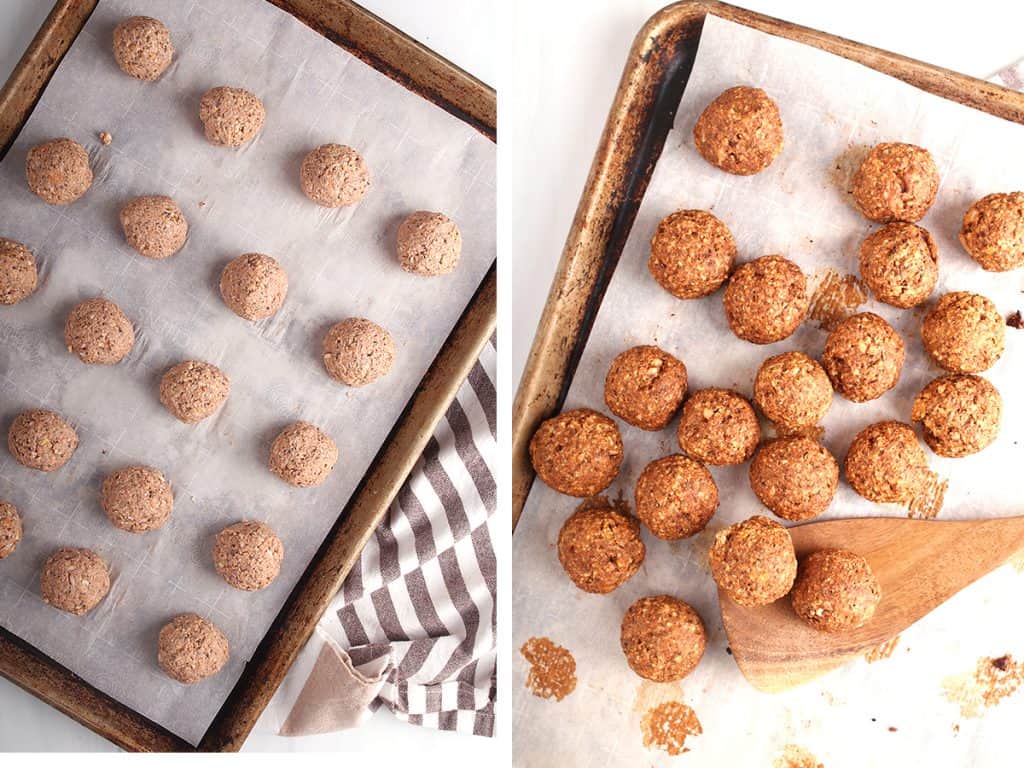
[(10, 529), (154, 226), (333, 175), (675, 497), (793, 391), (191, 648), (231, 117), (248, 555), (993, 231), (98, 332), (429, 244), (740, 131), (960, 414), (863, 357), (964, 333), (193, 390), (645, 387), (895, 182), (357, 352), (766, 299), (142, 47), (886, 464), (692, 253), (663, 638), (600, 549), (254, 286), (899, 263), (303, 455), (18, 275), (74, 580), (578, 452), (58, 171), (719, 427), (795, 477), (835, 590), (753, 562), (137, 499), (41, 440)]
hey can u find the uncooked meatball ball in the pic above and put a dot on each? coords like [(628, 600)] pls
[(74, 580), (835, 591), (18, 276), (899, 263), (429, 244), (753, 562), (231, 116), (863, 357), (142, 47), (357, 352), (58, 171), (193, 390), (191, 649), (793, 391), (663, 638), (154, 226), (740, 131), (993, 231), (303, 455), (98, 332), (895, 182), (334, 175), (577, 453), (766, 299), (718, 427), (253, 286), (600, 549), (692, 253), (10, 529), (645, 387), (248, 555), (137, 499), (886, 463), (41, 440), (795, 477), (960, 414), (675, 497), (964, 333)]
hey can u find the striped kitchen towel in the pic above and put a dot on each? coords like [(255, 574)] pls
[(414, 627)]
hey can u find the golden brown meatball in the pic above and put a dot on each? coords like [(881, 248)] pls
[(793, 391), (753, 562), (835, 591), (863, 357), (740, 131), (886, 463), (600, 549), (896, 182), (993, 231), (795, 477), (899, 263), (645, 387), (960, 414), (766, 299), (578, 452), (964, 333), (691, 254), (663, 638), (719, 427), (675, 497)]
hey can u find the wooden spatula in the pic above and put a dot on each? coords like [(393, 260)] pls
[(919, 564)]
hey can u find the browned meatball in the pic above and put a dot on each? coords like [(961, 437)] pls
[(960, 414), (964, 333), (899, 263), (753, 562), (896, 182), (718, 427), (795, 477), (578, 452), (41, 440), (993, 231), (74, 580), (691, 254), (663, 638), (58, 171), (835, 591), (740, 131), (793, 391), (645, 387), (863, 357), (600, 549), (766, 299), (886, 463), (675, 497)]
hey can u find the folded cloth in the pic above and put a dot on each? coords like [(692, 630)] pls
[(413, 627)]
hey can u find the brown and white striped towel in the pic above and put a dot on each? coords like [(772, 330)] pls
[(414, 627)]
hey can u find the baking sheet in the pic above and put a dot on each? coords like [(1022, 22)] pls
[(339, 263), (904, 708)]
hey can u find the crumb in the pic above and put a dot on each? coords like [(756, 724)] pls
[(202, 203), (105, 138), (1015, 320)]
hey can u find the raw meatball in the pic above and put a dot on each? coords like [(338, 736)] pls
[(964, 333), (886, 464), (334, 175), (863, 357), (793, 391), (193, 390), (993, 231), (429, 244), (142, 47), (231, 116), (740, 131), (190, 648), (766, 299), (795, 477), (691, 254), (577, 453), (74, 580), (18, 274), (358, 352), (645, 387), (302, 455), (753, 562), (137, 499), (899, 263), (960, 414), (253, 286), (675, 497), (248, 555), (97, 331), (154, 226), (835, 591), (58, 171), (10, 529), (663, 638), (896, 182), (41, 440), (600, 549), (718, 427)]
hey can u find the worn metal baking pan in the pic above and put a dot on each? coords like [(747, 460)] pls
[(641, 116), (420, 70)]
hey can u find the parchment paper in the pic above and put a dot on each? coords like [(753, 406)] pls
[(829, 105), (340, 263)]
